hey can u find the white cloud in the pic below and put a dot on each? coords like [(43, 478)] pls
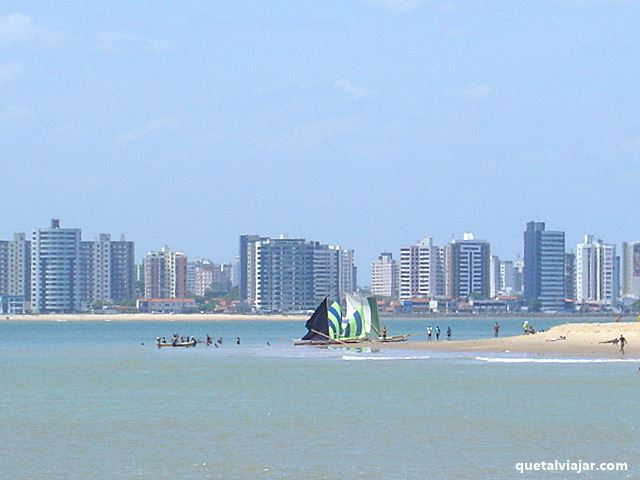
[(12, 114), (474, 91), (118, 42), (397, 5), (345, 86), (9, 71), (142, 131), (16, 28), (310, 134)]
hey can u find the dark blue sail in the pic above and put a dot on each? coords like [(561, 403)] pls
[(318, 323)]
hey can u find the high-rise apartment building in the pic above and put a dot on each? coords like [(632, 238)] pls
[(385, 273), (421, 270), (55, 269), (123, 270), (630, 269), (286, 275), (107, 270), (467, 264), (15, 266), (544, 267), (570, 276), (596, 272), (495, 277), (165, 274), (507, 277)]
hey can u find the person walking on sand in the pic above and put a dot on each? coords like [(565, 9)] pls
[(429, 333), (448, 333), (496, 329), (623, 342), (437, 333)]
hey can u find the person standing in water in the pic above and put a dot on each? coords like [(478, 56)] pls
[(384, 333), (622, 341), (448, 333), (429, 333), (437, 333), (496, 329)]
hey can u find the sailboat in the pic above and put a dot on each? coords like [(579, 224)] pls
[(362, 321), (327, 327)]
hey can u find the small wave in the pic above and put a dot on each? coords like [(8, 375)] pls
[(556, 360), (357, 357)]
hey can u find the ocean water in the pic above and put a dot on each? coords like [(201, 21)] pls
[(99, 400)]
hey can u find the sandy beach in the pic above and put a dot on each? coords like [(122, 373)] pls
[(151, 317), (580, 340)]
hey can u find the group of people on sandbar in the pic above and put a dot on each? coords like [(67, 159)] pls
[(430, 332)]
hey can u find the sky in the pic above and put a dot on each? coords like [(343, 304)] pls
[(364, 123)]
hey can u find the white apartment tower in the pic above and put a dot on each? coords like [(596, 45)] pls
[(495, 278), (384, 276), (15, 266), (421, 273), (631, 269), (596, 272), (55, 269)]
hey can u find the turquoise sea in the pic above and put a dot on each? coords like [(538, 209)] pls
[(94, 400)]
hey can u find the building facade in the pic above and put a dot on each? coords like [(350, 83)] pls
[(165, 274), (544, 266), (421, 270), (293, 275), (596, 272), (630, 270), (467, 263), (385, 274), (55, 269)]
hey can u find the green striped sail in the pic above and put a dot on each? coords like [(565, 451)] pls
[(334, 313), (362, 317)]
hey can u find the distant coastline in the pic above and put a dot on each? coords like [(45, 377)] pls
[(221, 317), (150, 317)]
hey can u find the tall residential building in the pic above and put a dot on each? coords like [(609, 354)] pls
[(544, 266), (596, 272), (107, 270), (467, 267), (285, 275), (421, 270), (55, 269), (384, 276), (191, 278), (15, 266), (165, 274), (283, 271), (630, 269), (495, 278), (518, 276), (507, 277), (246, 280), (570, 276), (123, 270)]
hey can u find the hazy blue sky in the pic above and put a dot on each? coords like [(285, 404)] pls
[(363, 123)]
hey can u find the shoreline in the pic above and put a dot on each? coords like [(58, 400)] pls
[(220, 317), (581, 340), (151, 317)]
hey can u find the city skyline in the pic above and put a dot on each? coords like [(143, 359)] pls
[(418, 118), (363, 264)]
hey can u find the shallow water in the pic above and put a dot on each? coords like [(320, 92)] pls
[(88, 400)]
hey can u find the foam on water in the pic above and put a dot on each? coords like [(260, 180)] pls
[(356, 358), (556, 360)]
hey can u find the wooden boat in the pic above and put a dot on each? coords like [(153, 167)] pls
[(394, 338), (190, 343)]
